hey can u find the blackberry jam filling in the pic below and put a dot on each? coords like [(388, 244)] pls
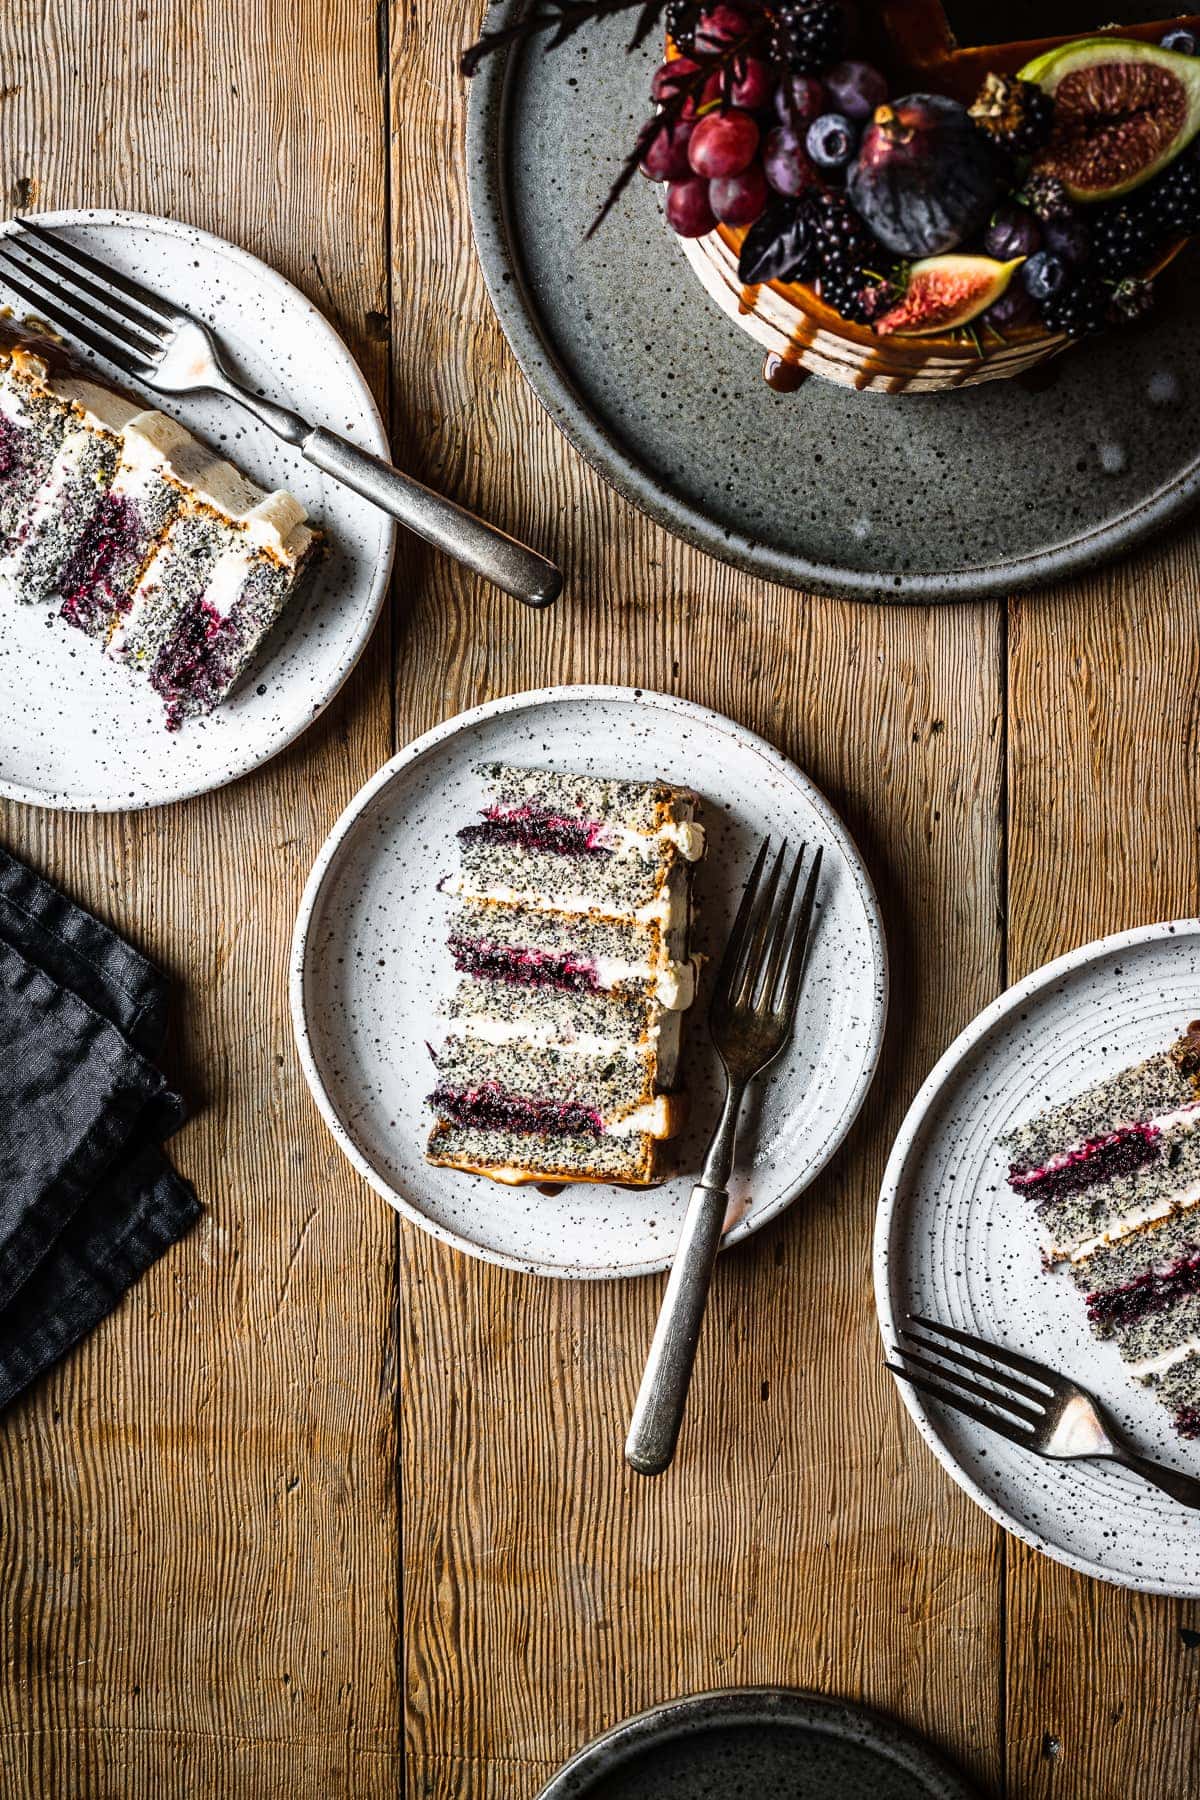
[(192, 663), (534, 828), (1187, 1421), (12, 441), (113, 533), (489, 1108), (1100, 1159), (526, 968), (1150, 1293)]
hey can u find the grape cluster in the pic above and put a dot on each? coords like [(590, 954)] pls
[(740, 129)]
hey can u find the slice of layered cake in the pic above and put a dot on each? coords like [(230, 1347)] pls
[(571, 932), (149, 542), (1114, 1177)]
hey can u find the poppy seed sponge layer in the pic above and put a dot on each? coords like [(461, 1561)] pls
[(570, 930), (1113, 1179), (172, 559)]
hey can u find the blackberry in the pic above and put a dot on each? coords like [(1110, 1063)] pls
[(1046, 197), (1079, 309), (682, 18), (1122, 239), (844, 249), (806, 38), (1173, 201), (1014, 115)]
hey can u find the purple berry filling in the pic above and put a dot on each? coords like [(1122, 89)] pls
[(113, 533), (528, 968), (1150, 1293), (1187, 1421), (12, 443), (489, 1108), (534, 828), (1099, 1159), (191, 669)]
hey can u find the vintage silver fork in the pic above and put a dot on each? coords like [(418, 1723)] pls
[(1024, 1401), (750, 1019), (155, 342)]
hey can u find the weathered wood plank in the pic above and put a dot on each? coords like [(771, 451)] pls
[(198, 1562), (1104, 792), (804, 1534)]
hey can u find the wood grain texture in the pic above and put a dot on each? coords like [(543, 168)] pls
[(1104, 795), (199, 1558), (803, 1535)]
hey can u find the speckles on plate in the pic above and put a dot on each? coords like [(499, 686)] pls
[(370, 966), (85, 737), (955, 1242)]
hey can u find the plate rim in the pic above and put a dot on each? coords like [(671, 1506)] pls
[(887, 1212), (569, 409), (828, 1713), (376, 440), (557, 696)]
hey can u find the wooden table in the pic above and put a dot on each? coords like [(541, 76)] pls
[(326, 1501)]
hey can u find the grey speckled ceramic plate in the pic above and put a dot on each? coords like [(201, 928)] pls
[(370, 966), (933, 497), (760, 1744), (87, 736), (955, 1243)]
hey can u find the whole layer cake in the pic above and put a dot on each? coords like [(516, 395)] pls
[(169, 557), (1114, 1178), (571, 933)]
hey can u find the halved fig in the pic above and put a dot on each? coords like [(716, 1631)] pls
[(1122, 112), (944, 292)]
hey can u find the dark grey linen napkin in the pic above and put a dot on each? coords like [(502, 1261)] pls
[(88, 1200)]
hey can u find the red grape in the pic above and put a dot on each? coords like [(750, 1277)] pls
[(799, 100), (723, 144), (666, 157), (855, 88), (750, 83), (788, 168), (688, 211), (719, 27), (673, 75), (738, 199)]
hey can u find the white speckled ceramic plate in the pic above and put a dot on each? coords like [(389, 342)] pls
[(369, 967), (85, 735), (955, 1243)]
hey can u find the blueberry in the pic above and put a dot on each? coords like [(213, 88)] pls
[(1044, 275), (831, 141), (1184, 43)]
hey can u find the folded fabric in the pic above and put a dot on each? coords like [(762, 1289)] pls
[(87, 1199)]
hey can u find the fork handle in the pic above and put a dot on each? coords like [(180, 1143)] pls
[(1181, 1487), (512, 566), (658, 1412)]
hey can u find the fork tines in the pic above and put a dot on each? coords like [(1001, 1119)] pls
[(764, 957), (104, 309), (995, 1387)]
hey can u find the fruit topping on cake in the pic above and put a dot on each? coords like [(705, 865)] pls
[(1122, 112), (1113, 1182), (170, 558), (571, 934), (814, 176)]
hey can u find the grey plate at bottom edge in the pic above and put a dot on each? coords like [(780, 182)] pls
[(770, 1743), (939, 497)]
